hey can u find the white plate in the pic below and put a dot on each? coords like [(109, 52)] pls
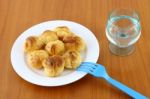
[(36, 76)]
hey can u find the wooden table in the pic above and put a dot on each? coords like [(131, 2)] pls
[(134, 70)]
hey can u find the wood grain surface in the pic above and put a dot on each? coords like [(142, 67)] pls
[(134, 70)]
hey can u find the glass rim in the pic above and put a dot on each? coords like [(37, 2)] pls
[(124, 9)]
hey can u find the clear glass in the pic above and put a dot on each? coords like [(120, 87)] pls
[(123, 30)]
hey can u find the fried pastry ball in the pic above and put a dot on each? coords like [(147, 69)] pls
[(63, 31), (55, 47), (62, 28), (53, 66), (32, 43), (48, 36), (36, 57), (74, 43), (72, 59)]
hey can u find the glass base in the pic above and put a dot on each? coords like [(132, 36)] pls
[(121, 51)]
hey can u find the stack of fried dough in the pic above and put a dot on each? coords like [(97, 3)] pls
[(54, 51)]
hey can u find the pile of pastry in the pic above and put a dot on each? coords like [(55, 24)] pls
[(54, 50)]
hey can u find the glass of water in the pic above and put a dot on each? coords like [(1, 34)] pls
[(123, 30)]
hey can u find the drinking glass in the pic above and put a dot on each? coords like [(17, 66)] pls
[(123, 30)]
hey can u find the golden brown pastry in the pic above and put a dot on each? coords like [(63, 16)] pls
[(53, 66), (63, 31), (32, 43), (48, 36), (55, 47), (62, 28), (36, 57), (74, 43), (72, 59), (54, 51)]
